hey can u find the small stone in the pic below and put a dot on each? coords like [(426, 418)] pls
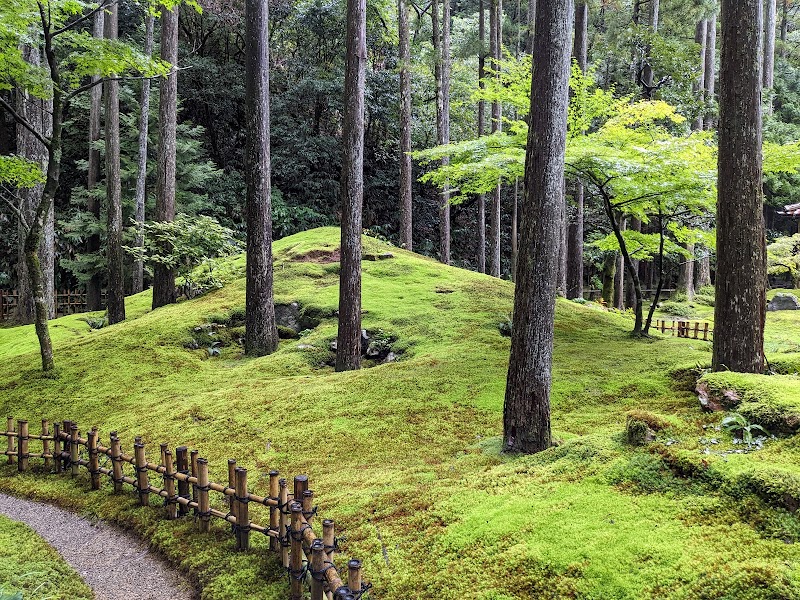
[(306, 346), (390, 358)]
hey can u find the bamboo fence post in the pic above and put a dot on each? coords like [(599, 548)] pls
[(142, 479), (308, 505), (116, 462), (705, 332), (94, 465), (296, 572), (22, 445), (283, 505), (194, 470), (182, 466), (300, 486), (57, 446), (73, 449), (163, 454), (354, 576), (231, 500), (317, 569), (11, 434), (663, 325), (46, 443), (329, 541), (171, 501), (697, 331), (204, 506), (274, 516), (242, 511)]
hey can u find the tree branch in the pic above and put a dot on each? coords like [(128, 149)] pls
[(24, 122), (103, 5), (14, 208)]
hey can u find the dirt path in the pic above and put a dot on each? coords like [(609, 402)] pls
[(116, 565)]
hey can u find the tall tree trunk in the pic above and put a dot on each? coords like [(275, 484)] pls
[(619, 277), (686, 274), (481, 130), (406, 177), (609, 276), (740, 308), (141, 174), (116, 273), (495, 42), (703, 270), (515, 231), (700, 87), (163, 277), (647, 74), (630, 285), (526, 412), (441, 44), (561, 277), (575, 233), (94, 287), (784, 26), (37, 112), (261, 332), (531, 32), (348, 353), (770, 24), (711, 68)]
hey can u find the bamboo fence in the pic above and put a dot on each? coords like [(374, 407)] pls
[(68, 302), (686, 329), (186, 489)]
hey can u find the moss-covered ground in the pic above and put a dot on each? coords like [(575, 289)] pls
[(406, 456), (31, 570)]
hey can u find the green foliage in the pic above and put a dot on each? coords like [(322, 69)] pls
[(739, 426), (677, 309), (783, 256), (18, 172)]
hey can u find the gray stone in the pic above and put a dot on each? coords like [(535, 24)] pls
[(784, 302), (288, 315)]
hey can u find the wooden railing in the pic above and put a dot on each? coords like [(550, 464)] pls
[(186, 489), (68, 302), (686, 329)]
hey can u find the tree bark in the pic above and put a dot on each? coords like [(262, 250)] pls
[(116, 274), (441, 45), (630, 284), (163, 277), (647, 74), (406, 177), (141, 175), (686, 274), (348, 353), (700, 87), (563, 259), (770, 25), (740, 308), (495, 50), (94, 287), (531, 33), (711, 63), (481, 250), (261, 332), (619, 276), (784, 26), (703, 270), (526, 412)]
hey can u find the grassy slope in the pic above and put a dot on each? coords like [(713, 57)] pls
[(406, 456), (28, 565)]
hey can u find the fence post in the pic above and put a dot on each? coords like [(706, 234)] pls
[(241, 501), (22, 446), (283, 505), (182, 466), (300, 486), (297, 573), (171, 501), (204, 506), (163, 454), (308, 505), (705, 332), (317, 569), (57, 446), (195, 474), (329, 541), (231, 500), (11, 434), (274, 516), (73, 449), (116, 462), (354, 576), (142, 480), (45, 443), (94, 465)]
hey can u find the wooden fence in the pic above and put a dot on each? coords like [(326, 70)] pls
[(68, 302), (186, 489), (686, 329)]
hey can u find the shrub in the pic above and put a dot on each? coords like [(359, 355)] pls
[(677, 310)]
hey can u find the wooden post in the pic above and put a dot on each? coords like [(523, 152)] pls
[(283, 521), (73, 449), (697, 331), (57, 446), (317, 569), (10, 434), (274, 511), (116, 463), (142, 478), (170, 501), (94, 465), (329, 541), (194, 471), (163, 454), (46, 443), (22, 446), (300, 486), (354, 576), (204, 506), (308, 505), (182, 466), (231, 500), (296, 557), (242, 511), (705, 332), (663, 325)]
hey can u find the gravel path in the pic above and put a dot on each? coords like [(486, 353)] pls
[(126, 568)]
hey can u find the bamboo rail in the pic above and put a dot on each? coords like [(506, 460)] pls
[(67, 302), (686, 329), (186, 487)]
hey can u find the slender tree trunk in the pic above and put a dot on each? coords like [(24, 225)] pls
[(261, 332), (609, 275), (116, 274), (703, 270), (441, 44), (686, 274), (770, 25), (711, 63), (618, 226), (348, 353), (619, 277), (630, 286), (647, 74), (515, 231), (163, 277), (141, 175), (740, 308), (94, 287), (406, 177), (481, 130), (660, 285), (526, 412), (495, 41), (784, 26), (700, 35), (561, 278), (531, 33)]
